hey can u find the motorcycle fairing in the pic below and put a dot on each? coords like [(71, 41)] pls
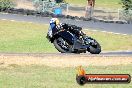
[(78, 46), (69, 37), (73, 40), (52, 30)]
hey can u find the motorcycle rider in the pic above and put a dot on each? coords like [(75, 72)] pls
[(79, 41), (55, 25)]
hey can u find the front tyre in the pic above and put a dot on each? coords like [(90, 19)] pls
[(62, 45), (95, 47)]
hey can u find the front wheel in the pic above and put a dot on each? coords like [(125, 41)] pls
[(95, 47), (62, 45)]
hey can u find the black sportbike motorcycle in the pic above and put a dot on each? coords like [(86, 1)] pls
[(70, 39)]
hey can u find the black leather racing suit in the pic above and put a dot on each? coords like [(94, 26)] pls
[(72, 28)]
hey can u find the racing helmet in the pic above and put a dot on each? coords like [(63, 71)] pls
[(54, 21)]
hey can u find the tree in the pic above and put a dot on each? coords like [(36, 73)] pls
[(6, 4), (126, 4), (126, 13)]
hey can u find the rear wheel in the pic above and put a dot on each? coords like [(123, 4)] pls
[(62, 45), (95, 47)]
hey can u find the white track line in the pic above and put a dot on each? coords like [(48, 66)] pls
[(116, 51), (12, 20), (106, 32), (15, 21), (3, 19)]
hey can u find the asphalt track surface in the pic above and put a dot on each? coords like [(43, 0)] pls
[(100, 26), (102, 54)]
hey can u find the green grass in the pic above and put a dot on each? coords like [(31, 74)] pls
[(33, 76), (23, 37), (111, 41), (99, 3)]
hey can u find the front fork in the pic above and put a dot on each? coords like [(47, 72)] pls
[(88, 40)]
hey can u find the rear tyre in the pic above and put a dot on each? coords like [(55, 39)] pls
[(62, 45)]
